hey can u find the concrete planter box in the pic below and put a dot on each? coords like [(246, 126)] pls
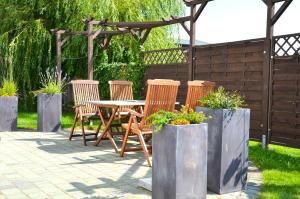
[(49, 112), (180, 162), (8, 113), (227, 161)]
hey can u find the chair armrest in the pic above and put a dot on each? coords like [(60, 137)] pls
[(132, 112)]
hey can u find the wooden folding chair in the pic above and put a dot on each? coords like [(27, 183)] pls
[(121, 90), (196, 90), (83, 91), (161, 95)]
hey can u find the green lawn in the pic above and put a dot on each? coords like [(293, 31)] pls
[(29, 121), (281, 170), (280, 165)]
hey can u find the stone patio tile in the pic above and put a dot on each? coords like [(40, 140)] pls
[(39, 196), (77, 194), (11, 192), (47, 165)]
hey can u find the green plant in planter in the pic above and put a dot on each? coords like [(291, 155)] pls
[(8, 89), (221, 99), (183, 117), (50, 83)]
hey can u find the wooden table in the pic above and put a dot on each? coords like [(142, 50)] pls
[(115, 105)]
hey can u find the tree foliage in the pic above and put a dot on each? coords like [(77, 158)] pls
[(27, 47)]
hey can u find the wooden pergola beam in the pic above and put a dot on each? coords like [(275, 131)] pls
[(143, 25), (274, 1), (144, 35), (65, 40), (98, 32), (104, 42), (85, 33), (141, 34), (200, 10), (280, 11)]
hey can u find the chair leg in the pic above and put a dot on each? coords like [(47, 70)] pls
[(83, 131), (143, 144), (125, 138), (73, 126)]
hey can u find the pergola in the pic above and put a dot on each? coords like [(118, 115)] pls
[(140, 31)]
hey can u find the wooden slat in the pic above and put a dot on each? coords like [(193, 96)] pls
[(121, 90)]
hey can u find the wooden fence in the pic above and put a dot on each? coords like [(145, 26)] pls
[(285, 111), (239, 66), (236, 66)]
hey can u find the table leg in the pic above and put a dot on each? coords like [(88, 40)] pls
[(106, 130)]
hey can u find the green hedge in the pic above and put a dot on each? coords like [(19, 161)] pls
[(119, 71)]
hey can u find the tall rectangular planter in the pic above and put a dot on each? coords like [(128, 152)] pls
[(49, 112), (228, 136), (8, 113), (180, 162)]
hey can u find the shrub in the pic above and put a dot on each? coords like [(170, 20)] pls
[(184, 117), (50, 84), (220, 99), (9, 88), (133, 71)]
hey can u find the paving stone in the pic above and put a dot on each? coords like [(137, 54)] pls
[(11, 192), (47, 165)]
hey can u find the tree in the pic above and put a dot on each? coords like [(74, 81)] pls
[(27, 47)]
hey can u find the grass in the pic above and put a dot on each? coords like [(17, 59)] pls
[(28, 120), (280, 165), (281, 170)]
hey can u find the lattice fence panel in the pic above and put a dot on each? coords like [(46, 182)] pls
[(286, 45), (166, 56)]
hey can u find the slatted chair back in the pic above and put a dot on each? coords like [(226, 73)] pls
[(161, 95), (196, 90), (121, 90), (83, 91)]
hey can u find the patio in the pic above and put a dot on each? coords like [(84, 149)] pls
[(47, 165)]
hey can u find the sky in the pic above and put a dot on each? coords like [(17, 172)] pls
[(234, 20)]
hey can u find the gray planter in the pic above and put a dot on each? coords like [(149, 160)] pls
[(227, 161), (8, 113), (49, 112), (180, 162)]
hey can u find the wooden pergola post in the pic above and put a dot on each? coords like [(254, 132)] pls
[(58, 55), (267, 94), (90, 49), (192, 43), (194, 15)]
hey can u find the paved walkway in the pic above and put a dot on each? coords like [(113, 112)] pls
[(47, 165)]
